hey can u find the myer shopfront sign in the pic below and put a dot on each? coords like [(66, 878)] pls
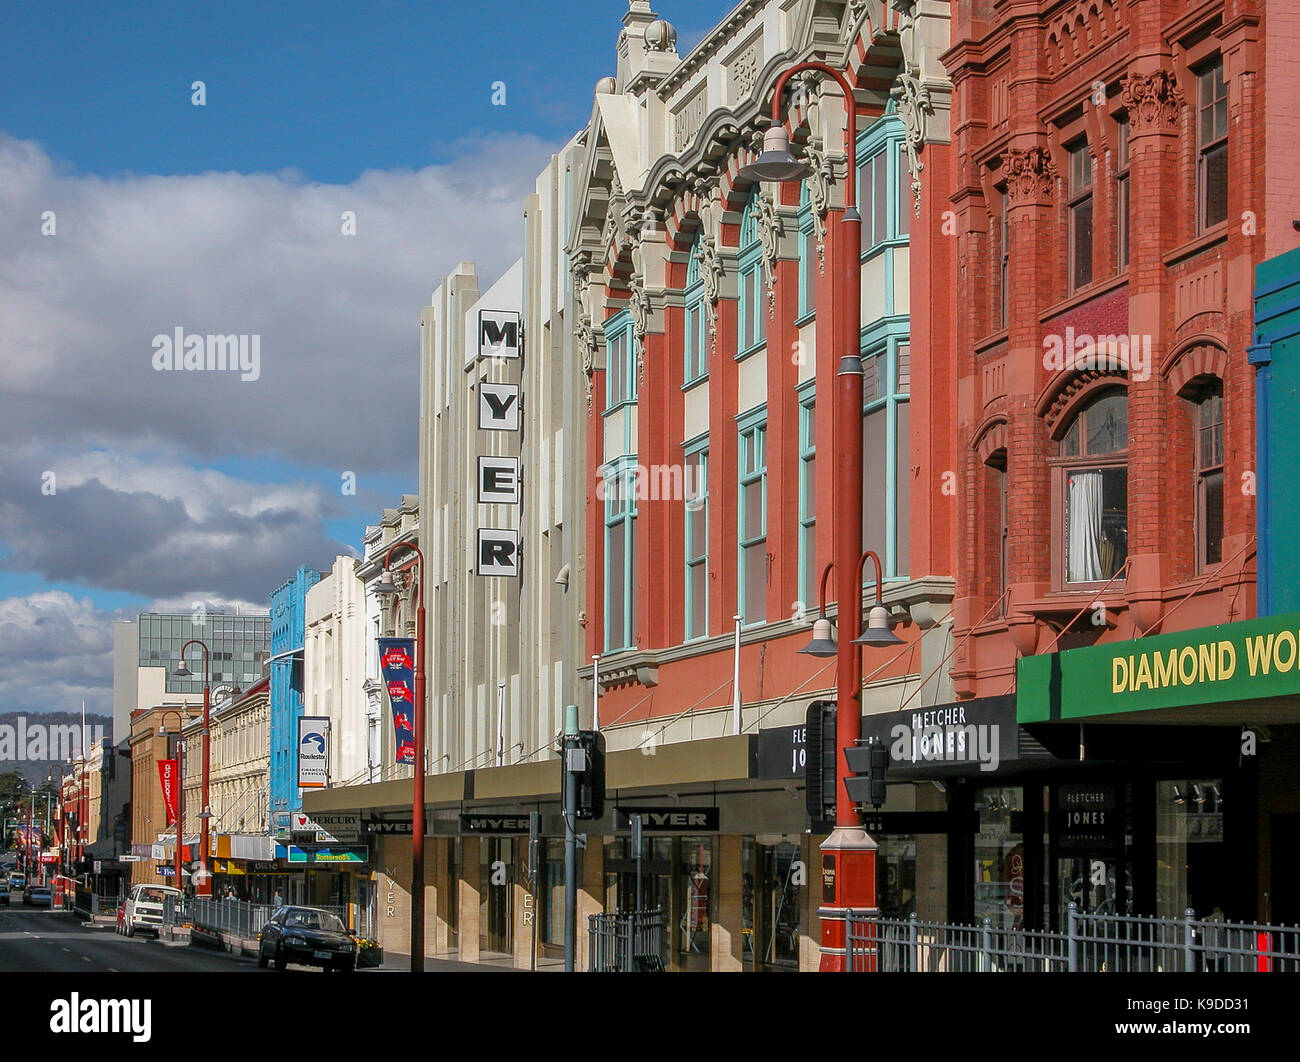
[(498, 477), (1243, 661)]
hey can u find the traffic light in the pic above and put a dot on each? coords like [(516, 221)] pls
[(869, 763), (819, 765), (591, 780)]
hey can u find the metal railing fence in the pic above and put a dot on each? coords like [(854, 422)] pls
[(625, 942), (239, 917), (1088, 943)]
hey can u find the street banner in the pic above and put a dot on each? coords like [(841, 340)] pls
[(167, 775), (397, 660), (313, 757)]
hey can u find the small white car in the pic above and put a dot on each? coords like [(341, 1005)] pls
[(144, 908)]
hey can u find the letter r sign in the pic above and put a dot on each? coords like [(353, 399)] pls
[(498, 552)]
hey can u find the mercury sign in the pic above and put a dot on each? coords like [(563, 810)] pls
[(313, 754)]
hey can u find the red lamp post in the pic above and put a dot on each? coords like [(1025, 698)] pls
[(387, 586), (203, 879), (849, 854), (180, 783)]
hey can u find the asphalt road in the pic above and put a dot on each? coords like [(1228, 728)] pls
[(34, 940)]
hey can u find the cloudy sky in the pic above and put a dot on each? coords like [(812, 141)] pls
[(127, 211)]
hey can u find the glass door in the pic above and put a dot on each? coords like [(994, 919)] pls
[(783, 900), (496, 877)]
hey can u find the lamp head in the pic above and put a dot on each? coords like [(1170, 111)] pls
[(386, 584), (822, 644), (776, 162), (182, 671), (878, 632)]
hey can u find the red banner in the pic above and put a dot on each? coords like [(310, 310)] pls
[(167, 774)]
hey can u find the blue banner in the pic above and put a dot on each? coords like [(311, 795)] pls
[(397, 661)]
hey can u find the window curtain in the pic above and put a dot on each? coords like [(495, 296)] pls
[(1083, 544)]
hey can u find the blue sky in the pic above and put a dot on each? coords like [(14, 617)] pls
[(329, 88), (126, 212)]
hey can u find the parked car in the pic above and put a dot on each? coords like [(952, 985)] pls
[(38, 896), (308, 936), (143, 908), (4, 892), (17, 881)]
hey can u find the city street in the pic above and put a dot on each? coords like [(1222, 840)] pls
[(40, 941)]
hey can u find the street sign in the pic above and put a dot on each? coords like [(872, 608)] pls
[(130, 859)]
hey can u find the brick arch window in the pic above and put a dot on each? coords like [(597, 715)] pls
[(992, 451), (1091, 485), (1206, 398)]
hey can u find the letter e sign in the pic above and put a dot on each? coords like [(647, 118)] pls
[(498, 480)]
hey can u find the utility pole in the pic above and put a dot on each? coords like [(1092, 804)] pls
[(573, 756)]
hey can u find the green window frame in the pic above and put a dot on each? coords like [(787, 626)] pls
[(807, 495), (807, 257), (751, 332), (751, 517), (886, 457), (620, 362), (884, 184), (620, 554), (696, 343), (696, 483)]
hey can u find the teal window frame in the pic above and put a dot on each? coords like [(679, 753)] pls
[(620, 520), (807, 256), (696, 545), (696, 340), (622, 373), (887, 385), (751, 324), (884, 182), (751, 468), (807, 396)]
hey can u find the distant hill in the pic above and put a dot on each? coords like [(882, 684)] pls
[(32, 742)]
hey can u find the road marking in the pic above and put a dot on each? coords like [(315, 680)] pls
[(86, 958)]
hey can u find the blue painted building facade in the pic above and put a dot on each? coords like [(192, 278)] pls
[(1275, 353), (288, 626)]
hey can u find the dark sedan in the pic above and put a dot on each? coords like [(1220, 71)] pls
[(307, 936)]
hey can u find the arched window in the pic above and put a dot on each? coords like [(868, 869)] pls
[(752, 331), (1093, 484), (1207, 434), (697, 331)]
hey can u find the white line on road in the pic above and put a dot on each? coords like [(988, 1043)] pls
[(86, 958)]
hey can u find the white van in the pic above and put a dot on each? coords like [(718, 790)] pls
[(144, 908)]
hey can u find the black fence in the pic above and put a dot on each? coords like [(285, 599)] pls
[(627, 942)]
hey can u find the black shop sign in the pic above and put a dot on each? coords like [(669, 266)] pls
[(671, 819), (1088, 818)]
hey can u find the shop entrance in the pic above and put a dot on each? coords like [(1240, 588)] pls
[(496, 886), (783, 898)]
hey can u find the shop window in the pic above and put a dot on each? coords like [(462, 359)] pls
[(496, 880), (783, 900), (1093, 471), (752, 517), (1192, 867), (1209, 474), (1212, 145), (1000, 857), (1080, 208), (694, 908), (697, 329), (695, 479)]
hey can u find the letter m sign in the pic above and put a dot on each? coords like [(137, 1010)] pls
[(498, 333)]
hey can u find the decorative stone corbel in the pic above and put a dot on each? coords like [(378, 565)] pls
[(1153, 101), (1030, 175), (769, 234)]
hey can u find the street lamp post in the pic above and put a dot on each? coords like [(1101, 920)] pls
[(849, 854), (62, 818), (387, 586), (203, 882), (180, 784)]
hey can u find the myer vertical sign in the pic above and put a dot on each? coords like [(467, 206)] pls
[(497, 477)]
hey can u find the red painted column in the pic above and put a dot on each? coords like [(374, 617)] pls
[(783, 440), (723, 480)]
